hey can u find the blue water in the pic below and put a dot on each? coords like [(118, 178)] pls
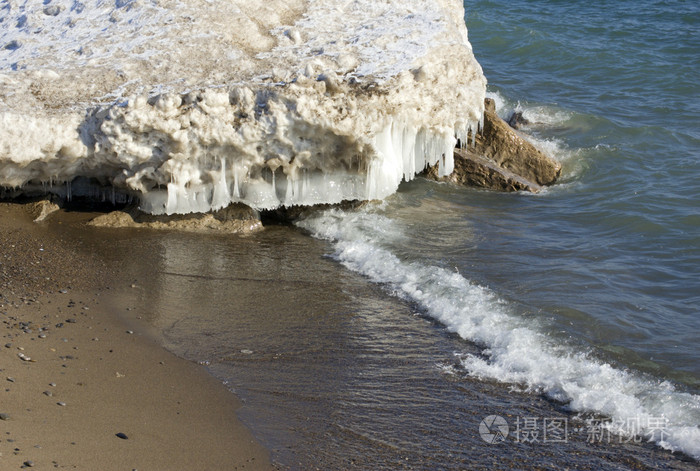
[(619, 83)]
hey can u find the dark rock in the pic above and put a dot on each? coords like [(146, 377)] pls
[(29, 464), (4, 416), (122, 436), (517, 120), (289, 214), (13, 45), (52, 10)]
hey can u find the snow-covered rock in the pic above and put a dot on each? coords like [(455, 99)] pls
[(193, 104)]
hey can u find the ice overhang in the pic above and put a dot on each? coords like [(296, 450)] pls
[(191, 105)]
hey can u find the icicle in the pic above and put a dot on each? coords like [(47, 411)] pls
[(289, 194), (221, 196), (236, 189), (274, 186)]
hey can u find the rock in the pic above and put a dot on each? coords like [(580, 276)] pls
[(517, 120), (29, 464), (122, 436), (472, 169), (41, 209), (114, 219), (52, 10), (508, 149), (235, 218), (4, 416), (501, 159)]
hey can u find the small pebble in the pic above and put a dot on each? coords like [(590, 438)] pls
[(71, 321), (11, 379), (53, 385), (42, 336), (8, 345), (61, 404), (122, 436), (23, 357), (4, 416), (62, 291), (29, 464), (129, 331), (48, 393)]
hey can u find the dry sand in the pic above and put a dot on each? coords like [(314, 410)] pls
[(74, 376)]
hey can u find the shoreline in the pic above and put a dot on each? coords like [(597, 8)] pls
[(75, 376), (199, 298)]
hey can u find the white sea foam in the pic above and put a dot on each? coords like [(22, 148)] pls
[(190, 105), (542, 115), (542, 118), (514, 351)]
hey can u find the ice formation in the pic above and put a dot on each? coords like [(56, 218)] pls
[(191, 104)]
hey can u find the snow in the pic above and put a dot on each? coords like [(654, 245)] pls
[(191, 105)]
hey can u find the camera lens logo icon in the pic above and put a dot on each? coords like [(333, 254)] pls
[(493, 429)]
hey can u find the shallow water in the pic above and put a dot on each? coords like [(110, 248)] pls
[(335, 371)]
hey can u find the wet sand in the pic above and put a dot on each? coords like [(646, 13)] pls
[(83, 390)]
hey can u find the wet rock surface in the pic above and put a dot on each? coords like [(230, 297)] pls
[(501, 159)]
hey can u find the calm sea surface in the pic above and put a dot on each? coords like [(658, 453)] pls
[(381, 338)]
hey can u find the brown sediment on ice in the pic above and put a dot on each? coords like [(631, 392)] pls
[(80, 389)]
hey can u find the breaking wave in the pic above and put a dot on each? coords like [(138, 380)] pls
[(514, 350)]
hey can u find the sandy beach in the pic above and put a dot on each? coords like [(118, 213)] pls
[(83, 390)]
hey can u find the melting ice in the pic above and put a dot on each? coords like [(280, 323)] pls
[(193, 105)]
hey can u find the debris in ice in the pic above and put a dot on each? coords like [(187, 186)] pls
[(191, 105)]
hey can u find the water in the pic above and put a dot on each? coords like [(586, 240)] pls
[(616, 87), (382, 342)]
